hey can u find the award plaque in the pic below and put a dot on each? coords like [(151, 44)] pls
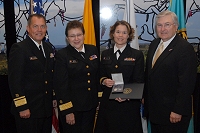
[(130, 91)]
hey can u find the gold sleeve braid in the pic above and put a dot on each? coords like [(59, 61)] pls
[(65, 106), (20, 101)]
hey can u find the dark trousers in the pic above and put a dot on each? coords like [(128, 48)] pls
[(33, 125), (180, 127), (84, 122)]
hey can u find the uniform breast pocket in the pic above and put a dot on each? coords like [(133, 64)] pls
[(128, 63), (34, 63), (106, 62), (95, 63), (75, 65)]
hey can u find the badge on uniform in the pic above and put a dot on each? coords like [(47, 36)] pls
[(92, 57), (73, 61), (51, 55), (129, 59), (33, 58), (106, 58)]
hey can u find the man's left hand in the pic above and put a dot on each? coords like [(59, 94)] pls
[(174, 117)]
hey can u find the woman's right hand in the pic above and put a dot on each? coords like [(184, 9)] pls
[(108, 82)]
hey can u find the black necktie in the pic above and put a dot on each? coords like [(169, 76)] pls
[(82, 54), (42, 54), (119, 53), (40, 47)]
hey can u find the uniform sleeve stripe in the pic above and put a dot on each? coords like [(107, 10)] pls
[(65, 106)]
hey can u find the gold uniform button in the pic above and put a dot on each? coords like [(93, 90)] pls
[(88, 74), (88, 81), (17, 95), (52, 70), (61, 101), (116, 66), (87, 66), (89, 89), (46, 82), (46, 92)]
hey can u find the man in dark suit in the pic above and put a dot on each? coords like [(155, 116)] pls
[(170, 78), (76, 81), (30, 73)]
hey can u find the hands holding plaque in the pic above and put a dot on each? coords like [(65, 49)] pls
[(125, 91)]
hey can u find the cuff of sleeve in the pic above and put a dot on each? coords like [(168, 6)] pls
[(102, 79), (20, 101), (65, 106)]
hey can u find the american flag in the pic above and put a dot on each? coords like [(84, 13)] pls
[(36, 7)]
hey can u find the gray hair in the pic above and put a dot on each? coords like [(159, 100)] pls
[(165, 13)]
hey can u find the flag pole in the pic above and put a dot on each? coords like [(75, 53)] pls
[(31, 7), (127, 10)]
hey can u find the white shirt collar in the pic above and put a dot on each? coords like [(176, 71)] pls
[(37, 44), (82, 50), (167, 42), (121, 49)]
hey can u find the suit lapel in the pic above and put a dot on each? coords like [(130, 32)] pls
[(164, 54)]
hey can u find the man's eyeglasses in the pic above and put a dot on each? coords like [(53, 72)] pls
[(166, 25), (74, 36)]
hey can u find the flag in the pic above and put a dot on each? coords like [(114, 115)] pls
[(129, 16), (36, 8), (177, 6), (55, 124), (88, 23)]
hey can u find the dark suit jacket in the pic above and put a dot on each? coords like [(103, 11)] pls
[(170, 83), (76, 79), (130, 64), (30, 80)]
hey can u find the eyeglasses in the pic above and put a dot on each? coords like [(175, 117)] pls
[(166, 25), (74, 36)]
